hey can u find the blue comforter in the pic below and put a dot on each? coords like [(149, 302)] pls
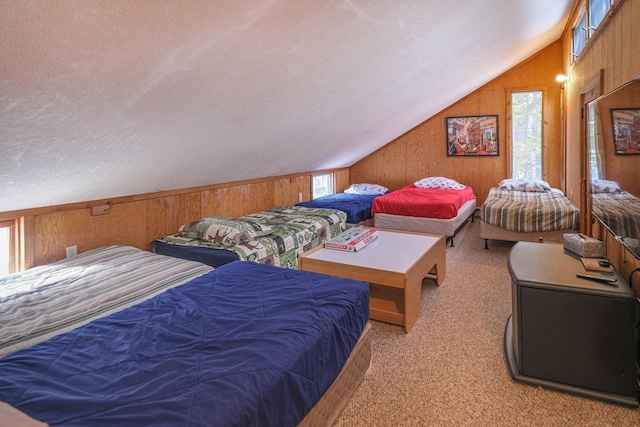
[(356, 206), (246, 344)]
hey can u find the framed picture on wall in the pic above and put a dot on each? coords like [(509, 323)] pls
[(472, 136), (625, 123)]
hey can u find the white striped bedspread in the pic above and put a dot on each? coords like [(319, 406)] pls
[(524, 211), (45, 301)]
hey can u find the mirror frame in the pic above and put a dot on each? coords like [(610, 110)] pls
[(593, 134), (589, 92)]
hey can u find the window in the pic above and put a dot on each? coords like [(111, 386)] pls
[(594, 159), (7, 259), (526, 135), (597, 11), (322, 185), (579, 36), (591, 18)]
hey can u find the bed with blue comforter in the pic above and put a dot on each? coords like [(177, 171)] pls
[(356, 206), (244, 344)]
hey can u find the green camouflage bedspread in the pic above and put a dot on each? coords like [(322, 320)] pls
[(275, 236)]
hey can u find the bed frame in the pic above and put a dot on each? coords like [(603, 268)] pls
[(448, 227), (328, 408), (365, 223), (488, 231)]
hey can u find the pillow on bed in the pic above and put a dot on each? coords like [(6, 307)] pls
[(605, 186), (523, 184), (224, 230), (440, 183), (366, 189)]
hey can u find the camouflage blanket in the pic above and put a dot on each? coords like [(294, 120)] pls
[(275, 236)]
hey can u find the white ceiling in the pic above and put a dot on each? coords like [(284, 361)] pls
[(102, 99)]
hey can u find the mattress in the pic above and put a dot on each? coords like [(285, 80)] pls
[(529, 211), (47, 300), (189, 250), (422, 202), (448, 227), (488, 231), (326, 411), (356, 206), (245, 344)]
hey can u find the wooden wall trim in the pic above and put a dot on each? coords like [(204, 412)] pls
[(594, 82), (139, 219), (589, 91), (26, 242), (8, 215)]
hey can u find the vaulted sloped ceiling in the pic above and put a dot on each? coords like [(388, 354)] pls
[(102, 99)]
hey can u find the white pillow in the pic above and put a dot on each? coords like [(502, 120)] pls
[(523, 184), (604, 186), (366, 189), (440, 183)]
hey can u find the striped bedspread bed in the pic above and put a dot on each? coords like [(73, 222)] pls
[(45, 301), (620, 211), (524, 211)]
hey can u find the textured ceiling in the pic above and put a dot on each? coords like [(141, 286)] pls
[(110, 98)]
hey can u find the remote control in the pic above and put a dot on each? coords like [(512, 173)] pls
[(604, 279)]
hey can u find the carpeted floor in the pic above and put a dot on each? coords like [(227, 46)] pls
[(450, 369)]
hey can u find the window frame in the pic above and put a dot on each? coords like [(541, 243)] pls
[(13, 242), (580, 28), (543, 148), (589, 30), (331, 184)]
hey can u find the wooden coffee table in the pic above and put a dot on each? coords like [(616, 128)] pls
[(394, 265)]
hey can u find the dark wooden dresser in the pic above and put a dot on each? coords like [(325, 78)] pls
[(568, 333)]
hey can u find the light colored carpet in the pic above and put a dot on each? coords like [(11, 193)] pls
[(450, 369)]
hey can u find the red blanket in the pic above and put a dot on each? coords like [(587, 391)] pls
[(422, 202)]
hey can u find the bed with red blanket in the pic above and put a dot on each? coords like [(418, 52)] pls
[(435, 205)]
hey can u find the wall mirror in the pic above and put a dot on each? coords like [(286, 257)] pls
[(614, 162)]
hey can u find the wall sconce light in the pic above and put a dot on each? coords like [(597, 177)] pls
[(561, 78)]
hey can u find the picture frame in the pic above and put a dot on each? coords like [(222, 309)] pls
[(625, 126), (472, 136)]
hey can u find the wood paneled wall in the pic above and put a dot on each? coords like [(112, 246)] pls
[(615, 50), (421, 152), (137, 220)]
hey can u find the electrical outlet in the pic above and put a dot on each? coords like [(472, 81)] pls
[(300, 196), (72, 250)]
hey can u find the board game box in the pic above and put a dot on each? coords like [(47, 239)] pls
[(353, 239)]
